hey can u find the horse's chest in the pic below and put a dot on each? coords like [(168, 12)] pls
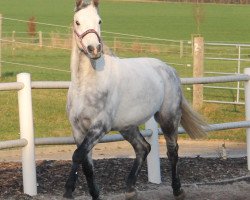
[(88, 105)]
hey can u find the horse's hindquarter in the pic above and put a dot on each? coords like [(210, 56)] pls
[(140, 89)]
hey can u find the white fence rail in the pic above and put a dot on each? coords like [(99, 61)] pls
[(237, 58), (28, 142)]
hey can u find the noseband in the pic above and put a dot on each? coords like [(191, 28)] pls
[(81, 36)]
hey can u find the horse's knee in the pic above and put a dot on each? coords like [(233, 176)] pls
[(77, 158)]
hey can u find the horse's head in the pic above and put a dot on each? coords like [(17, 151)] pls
[(87, 28)]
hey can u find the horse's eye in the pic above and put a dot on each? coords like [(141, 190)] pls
[(100, 21), (77, 23)]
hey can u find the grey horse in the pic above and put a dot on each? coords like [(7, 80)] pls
[(108, 93)]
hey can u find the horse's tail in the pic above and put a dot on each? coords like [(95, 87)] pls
[(192, 122)]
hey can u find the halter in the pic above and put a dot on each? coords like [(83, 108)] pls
[(81, 36)]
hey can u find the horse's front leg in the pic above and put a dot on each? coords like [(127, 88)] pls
[(73, 176), (82, 156), (71, 182), (88, 170)]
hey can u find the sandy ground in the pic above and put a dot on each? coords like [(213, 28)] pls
[(188, 148), (236, 191)]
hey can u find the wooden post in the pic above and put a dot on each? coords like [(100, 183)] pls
[(198, 62), (181, 48), (1, 45), (114, 47), (40, 39), (13, 43)]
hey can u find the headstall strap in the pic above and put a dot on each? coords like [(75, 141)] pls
[(81, 36)]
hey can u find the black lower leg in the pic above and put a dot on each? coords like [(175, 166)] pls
[(71, 182), (88, 171), (132, 177), (82, 155), (142, 148), (173, 157)]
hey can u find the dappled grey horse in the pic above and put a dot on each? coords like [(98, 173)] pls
[(107, 93)]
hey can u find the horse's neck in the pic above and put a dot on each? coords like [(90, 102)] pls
[(80, 64)]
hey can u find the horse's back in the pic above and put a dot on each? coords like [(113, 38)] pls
[(142, 90)]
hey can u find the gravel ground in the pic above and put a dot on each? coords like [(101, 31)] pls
[(52, 175)]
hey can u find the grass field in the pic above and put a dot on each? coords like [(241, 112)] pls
[(160, 20)]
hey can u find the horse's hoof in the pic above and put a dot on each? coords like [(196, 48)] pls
[(180, 195), (68, 195), (131, 195), (99, 198)]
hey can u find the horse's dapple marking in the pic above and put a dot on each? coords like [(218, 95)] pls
[(108, 93)]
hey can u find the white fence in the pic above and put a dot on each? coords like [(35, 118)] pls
[(27, 140), (235, 57)]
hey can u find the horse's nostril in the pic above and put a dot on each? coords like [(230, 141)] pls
[(90, 48), (99, 47)]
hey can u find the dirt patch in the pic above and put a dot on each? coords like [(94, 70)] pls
[(187, 148), (111, 175)]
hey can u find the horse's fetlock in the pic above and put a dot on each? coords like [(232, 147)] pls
[(68, 194), (71, 183), (176, 185), (95, 196), (179, 195), (94, 192), (131, 194)]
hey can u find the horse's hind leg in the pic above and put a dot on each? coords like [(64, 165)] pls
[(170, 131), (142, 149)]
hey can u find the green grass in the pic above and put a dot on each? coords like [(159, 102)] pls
[(162, 20)]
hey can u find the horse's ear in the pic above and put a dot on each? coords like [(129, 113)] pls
[(96, 3), (79, 3), (83, 3)]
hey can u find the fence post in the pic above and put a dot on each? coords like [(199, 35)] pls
[(1, 45), (238, 71), (114, 45), (40, 38), (247, 110), (27, 132), (181, 48), (198, 62), (153, 159), (13, 42)]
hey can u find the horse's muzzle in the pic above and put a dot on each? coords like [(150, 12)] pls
[(94, 52)]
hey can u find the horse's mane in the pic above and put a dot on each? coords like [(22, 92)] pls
[(108, 51)]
